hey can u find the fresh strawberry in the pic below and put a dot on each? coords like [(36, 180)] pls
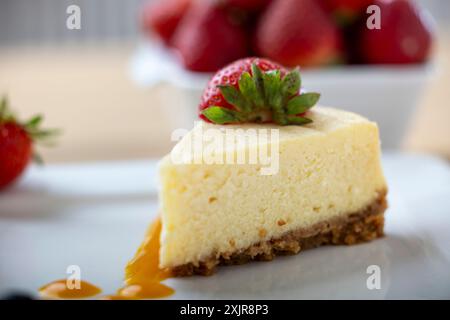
[(208, 38), (162, 17), (248, 5), (16, 143), (256, 90), (298, 32), (346, 11), (405, 35)]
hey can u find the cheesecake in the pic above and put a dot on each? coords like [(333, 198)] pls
[(261, 174), (326, 187)]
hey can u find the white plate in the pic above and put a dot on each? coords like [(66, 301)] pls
[(95, 215)]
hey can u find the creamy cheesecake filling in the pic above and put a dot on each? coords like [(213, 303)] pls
[(327, 170), (362, 226)]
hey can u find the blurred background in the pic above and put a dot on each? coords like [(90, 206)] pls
[(85, 81)]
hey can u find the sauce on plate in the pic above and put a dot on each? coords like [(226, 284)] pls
[(142, 276)]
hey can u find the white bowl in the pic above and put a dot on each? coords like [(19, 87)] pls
[(387, 95)]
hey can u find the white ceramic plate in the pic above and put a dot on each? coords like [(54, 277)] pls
[(95, 215)]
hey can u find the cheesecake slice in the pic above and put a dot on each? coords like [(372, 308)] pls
[(324, 185)]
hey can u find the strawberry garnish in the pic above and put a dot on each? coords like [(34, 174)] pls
[(256, 90), (16, 143)]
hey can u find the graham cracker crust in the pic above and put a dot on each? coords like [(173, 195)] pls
[(362, 226)]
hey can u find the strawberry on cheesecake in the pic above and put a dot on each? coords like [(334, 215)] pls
[(328, 188)]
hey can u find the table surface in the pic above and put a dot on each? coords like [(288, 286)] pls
[(87, 91)]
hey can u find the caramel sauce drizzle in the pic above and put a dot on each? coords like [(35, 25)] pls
[(142, 276), (59, 290)]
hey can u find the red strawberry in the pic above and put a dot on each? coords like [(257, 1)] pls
[(405, 35), (15, 148), (298, 32), (16, 144), (162, 17), (208, 38), (256, 90), (346, 11), (248, 5)]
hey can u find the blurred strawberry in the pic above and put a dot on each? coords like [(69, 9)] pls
[(405, 35), (163, 16), (208, 38), (16, 143), (248, 5), (298, 32), (346, 11)]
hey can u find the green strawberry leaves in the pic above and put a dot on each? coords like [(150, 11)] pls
[(264, 96), (234, 97), (302, 103), (292, 83), (34, 130), (259, 82), (5, 114), (272, 86), (220, 115), (3, 104), (299, 120), (249, 89)]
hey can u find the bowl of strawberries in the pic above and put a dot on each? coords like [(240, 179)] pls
[(368, 56)]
